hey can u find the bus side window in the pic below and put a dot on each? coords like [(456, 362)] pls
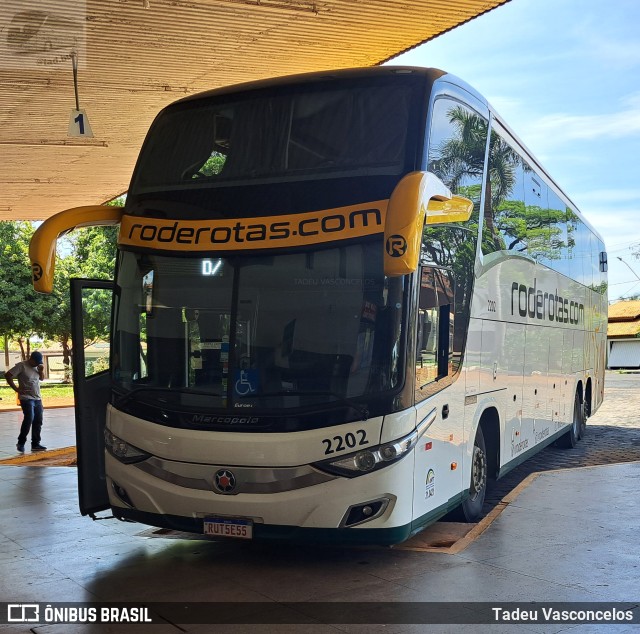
[(505, 222), (435, 328), (558, 234), (537, 215)]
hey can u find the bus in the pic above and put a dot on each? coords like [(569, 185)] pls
[(344, 302)]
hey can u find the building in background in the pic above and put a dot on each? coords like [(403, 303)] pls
[(623, 335)]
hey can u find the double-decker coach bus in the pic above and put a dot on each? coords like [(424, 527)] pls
[(343, 302)]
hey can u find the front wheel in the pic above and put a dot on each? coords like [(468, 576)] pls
[(471, 509)]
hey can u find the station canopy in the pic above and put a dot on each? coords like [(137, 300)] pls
[(136, 56)]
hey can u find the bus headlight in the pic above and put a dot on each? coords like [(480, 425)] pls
[(122, 450), (368, 460)]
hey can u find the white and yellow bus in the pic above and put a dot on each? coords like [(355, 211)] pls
[(343, 303)]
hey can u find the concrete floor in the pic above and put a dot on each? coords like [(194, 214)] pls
[(57, 431), (571, 535)]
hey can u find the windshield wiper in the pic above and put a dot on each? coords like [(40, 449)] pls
[(136, 390), (154, 388), (190, 390), (361, 409)]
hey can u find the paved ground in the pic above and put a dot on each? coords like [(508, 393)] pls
[(613, 435), (58, 430)]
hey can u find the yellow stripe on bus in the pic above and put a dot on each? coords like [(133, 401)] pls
[(269, 232)]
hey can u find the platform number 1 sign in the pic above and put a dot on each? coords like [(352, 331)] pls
[(79, 124)]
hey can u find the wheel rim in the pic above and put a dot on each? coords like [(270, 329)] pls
[(576, 418), (582, 419), (478, 472)]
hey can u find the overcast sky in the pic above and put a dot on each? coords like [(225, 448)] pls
[(565, 75)]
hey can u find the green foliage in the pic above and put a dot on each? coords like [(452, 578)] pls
[(212, 166), (22, 310), (93, 366), (118, 201), (94, 250), (48, 391), (462, 156), (508, 224), (89, 252)]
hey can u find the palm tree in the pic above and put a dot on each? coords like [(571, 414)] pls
[(462, 157)]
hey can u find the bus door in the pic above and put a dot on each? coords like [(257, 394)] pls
[(441, 410), (91, 302)]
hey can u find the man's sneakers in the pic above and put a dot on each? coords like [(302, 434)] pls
[(37, 447)]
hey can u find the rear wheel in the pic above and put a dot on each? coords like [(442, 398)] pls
[(571, 437), (584, 414)]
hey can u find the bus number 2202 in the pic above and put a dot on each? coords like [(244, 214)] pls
[(348, 441)]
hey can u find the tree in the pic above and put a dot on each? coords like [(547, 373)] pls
[(92, 255), (22, 310), (24, 313), (508, 224), (57, 325), (212, 166), (95, 250), (462, 157)]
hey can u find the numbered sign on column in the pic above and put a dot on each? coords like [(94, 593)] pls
[(79, 124)]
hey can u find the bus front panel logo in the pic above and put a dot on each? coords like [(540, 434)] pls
[(396, 246), (224, 481)]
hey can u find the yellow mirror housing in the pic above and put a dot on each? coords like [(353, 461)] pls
[(457, 209), (418, 198), (42, 248)]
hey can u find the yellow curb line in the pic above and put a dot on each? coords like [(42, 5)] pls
[(481, 526), (484, 524), (37, 456)]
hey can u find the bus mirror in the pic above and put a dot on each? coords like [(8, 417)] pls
[(42, 248), (417, 196), (457, 209)]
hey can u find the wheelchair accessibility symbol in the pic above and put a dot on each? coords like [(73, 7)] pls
[(246, 382)]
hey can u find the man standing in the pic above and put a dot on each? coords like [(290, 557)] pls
[(29, 374)]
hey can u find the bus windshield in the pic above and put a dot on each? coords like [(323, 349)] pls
[(273, 332), (312, 132)]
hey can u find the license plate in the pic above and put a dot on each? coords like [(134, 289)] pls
[(237, 528)]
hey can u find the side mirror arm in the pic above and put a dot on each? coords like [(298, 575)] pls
[(42, 248), (419, 198)]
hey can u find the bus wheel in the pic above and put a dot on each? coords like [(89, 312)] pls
[(471, 509), (582, 429), (570, 438)]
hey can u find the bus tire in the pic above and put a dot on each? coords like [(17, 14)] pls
[(570, 439), (471, 509), (582, 430)]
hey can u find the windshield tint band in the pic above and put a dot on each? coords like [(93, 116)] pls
[(349, 128), (239, 234)]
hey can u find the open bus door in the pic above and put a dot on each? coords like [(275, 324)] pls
[(91, 302)]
